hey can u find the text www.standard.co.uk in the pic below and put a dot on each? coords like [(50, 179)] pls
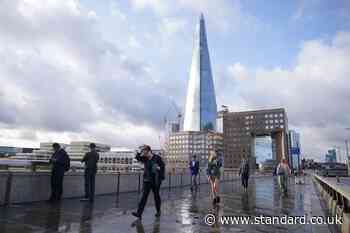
[(211, 219)]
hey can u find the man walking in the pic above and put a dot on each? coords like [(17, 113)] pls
[(244, 173), (90, 159), (154, 174), (60, 163), (194, 168)]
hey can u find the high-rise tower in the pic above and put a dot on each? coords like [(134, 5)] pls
[(201, 110)]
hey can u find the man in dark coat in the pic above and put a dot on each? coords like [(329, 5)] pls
[(194, 168), (90, 159), (244, 172), (154, 174), (60, 163)]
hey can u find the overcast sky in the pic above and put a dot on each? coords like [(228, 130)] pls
[(108, 70)]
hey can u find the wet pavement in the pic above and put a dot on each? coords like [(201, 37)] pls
[(182, 211)]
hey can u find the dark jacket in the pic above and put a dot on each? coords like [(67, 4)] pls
[(59, 160), (244, 169), (150, 173), (90, 159), (194, 167)]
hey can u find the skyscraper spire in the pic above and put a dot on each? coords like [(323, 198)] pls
[(201, 110)]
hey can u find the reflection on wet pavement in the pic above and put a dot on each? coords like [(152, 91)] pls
[(182, 211)]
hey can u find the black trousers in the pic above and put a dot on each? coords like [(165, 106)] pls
[(245, 179), (56, 184), (147, 187), (89, 178)]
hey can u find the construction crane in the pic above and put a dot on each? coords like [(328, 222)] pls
[(173, 106)]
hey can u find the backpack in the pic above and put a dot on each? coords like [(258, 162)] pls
[(67, 163)]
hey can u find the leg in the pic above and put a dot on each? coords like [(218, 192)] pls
[(53, 186), (146, 189), (60, 185), (86, 182), (157, 200), (92, 186), (195, 181)]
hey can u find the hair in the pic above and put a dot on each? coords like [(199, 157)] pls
[(146, 147), (56, 145), (92, 145), (212, 155)]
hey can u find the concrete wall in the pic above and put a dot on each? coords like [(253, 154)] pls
[(331, 202), (35, 186)]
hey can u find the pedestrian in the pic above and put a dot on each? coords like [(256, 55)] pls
[(194, 168), (244, 173), (60, 162), (213, 172), (154, 174), (90, 159), (283, 172)]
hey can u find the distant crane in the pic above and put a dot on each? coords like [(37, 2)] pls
[(173, 106)]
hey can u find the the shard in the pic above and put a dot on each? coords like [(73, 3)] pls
[(201, 109)]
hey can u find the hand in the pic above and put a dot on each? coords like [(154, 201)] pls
[(158, 168)]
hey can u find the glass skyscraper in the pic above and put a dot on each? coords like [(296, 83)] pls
[(201, 109)]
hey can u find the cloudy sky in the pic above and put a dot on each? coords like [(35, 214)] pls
[(109, 70)]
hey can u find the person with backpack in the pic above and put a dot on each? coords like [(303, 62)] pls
[(60, 162), (154, 174), (244, 173), (194, 168), (90, 159), (283, 171), (214, 173)]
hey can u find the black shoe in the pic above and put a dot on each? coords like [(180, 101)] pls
[(157, 214), (214, 201), (218, 199), (136, 215)]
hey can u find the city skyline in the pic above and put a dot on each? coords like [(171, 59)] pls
[(98, 71)]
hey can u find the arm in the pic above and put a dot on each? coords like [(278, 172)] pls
[(161, 164), (84, 158), (140, 158)]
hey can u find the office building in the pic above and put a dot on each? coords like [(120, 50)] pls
[(183, 145), (248, 134), (200, 110), (294, 149)]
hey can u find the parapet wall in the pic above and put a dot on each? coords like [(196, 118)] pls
[(336, 199), (21, 187)]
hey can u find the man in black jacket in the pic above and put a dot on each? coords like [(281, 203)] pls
[(90, 159), (154, 174), (60, 162)]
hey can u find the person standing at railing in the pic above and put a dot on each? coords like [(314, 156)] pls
[(194, 168), (154, 174), (60, 162), (90, 159), (244, 173), (283, 171)]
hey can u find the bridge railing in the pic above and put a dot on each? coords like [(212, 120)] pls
[(337, 199), (31, 186)]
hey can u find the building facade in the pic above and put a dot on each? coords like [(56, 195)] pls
[(183, 145), (241, 130), (201, 109), (331, 156), (294, 149)]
